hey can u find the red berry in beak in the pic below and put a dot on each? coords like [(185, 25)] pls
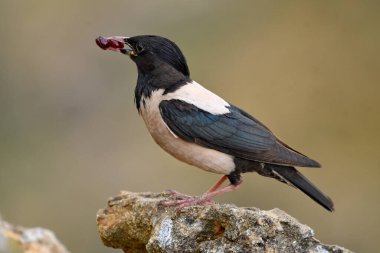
[(115, 43), (102, 42), (105, 43)]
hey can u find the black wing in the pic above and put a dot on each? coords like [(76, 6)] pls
[(235, 133)]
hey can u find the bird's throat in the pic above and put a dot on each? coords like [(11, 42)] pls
[(160, 76)]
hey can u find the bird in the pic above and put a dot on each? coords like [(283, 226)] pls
[(200, 128)]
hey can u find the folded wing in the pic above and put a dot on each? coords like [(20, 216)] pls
[(235, 133)]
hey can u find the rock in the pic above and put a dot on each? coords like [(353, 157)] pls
[(137, 222), (28, 240)]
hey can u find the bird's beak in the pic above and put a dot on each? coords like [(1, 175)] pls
[(115, 43)]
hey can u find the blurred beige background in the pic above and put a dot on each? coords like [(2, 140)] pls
[(70, 136)]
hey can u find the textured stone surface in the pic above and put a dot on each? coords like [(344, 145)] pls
[(136, 222), (28, 240)]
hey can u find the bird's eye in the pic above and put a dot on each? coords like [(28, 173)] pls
[(139, 48)]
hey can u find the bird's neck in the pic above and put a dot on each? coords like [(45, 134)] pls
[(155, 77)]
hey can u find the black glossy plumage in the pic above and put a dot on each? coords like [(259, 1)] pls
[(232, 133), (295, 178)]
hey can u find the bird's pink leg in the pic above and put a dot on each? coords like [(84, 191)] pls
[(205, 199), (218, 184), (184, 196), (229, 188)]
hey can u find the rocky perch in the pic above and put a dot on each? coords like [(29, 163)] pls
[(137, 222), (15, 239)]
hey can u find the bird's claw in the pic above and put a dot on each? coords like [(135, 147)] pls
[(188, 201), (177, 194)]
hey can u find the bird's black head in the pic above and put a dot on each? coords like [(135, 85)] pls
[(150, 52), (160, 63)]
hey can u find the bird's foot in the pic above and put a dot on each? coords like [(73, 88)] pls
[(204, 200), (186, 200), (178, 194)]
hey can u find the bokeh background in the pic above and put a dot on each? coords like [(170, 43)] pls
[(70, 136)]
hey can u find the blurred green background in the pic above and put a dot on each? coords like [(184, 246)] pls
[(70, 136)]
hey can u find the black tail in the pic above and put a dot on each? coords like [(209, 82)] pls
[(291, 175)]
